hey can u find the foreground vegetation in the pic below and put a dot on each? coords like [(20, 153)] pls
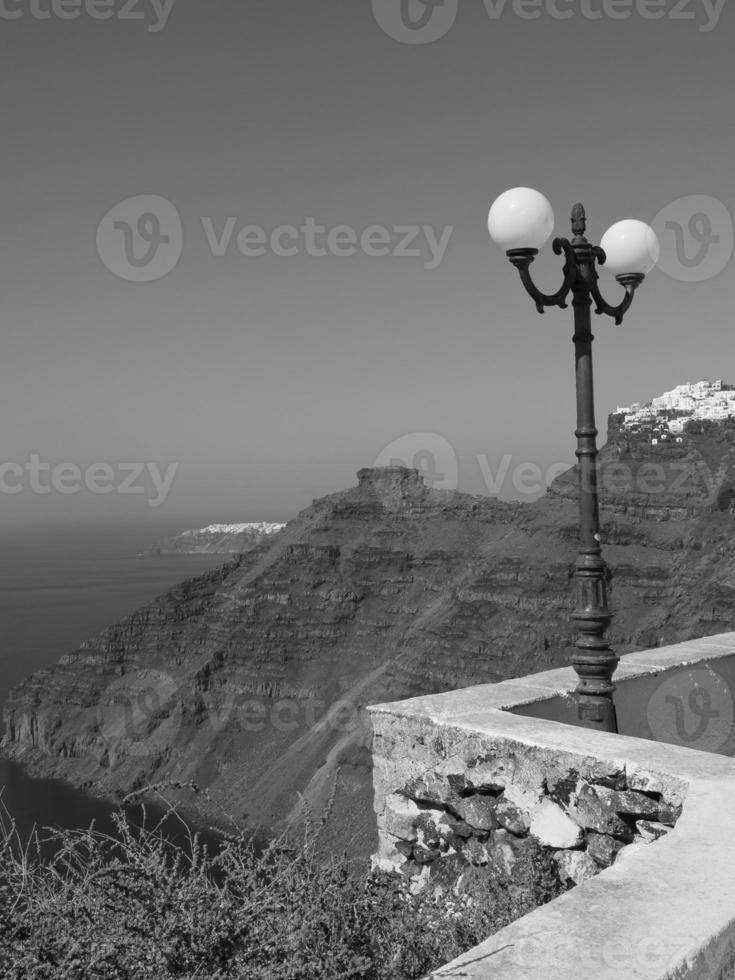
[(131, 905)]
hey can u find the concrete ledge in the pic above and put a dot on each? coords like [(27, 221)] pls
[(663, 911)]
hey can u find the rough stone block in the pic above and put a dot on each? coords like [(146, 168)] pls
[(431, 788), (610, 775), (630, 803), (524, 798), (668, 813), (562, 786), (595, 811), (478, 812), (427, 827), (512, 818), (554, 828), (438, 829), (452, 828), (532, 771), (459, 784), (419, 881), (399, 817), (670, 788), (603, 848), (490, 775), (423, 855), (576, 866), (650, 830)]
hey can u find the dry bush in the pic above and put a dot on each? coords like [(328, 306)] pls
[(131, 905)]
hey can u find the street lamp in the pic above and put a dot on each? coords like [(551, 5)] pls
[(521, 221)]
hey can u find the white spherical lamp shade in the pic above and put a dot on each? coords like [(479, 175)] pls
[(631, 247), (521, 218)]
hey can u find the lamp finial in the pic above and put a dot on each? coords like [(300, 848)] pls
[(579, 224)]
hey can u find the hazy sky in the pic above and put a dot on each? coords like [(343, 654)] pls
[(271, 378)]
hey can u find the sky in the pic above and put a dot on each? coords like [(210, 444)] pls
[(244, 246)]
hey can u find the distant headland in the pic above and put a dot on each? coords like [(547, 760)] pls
[(218, 539)]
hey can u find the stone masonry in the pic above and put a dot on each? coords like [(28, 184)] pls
[(448, 800), (437, 825)]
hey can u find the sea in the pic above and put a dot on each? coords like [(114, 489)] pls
[(57, 588)]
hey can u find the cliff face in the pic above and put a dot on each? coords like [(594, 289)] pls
[(250, 680)]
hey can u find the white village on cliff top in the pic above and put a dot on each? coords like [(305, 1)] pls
[(665, 417), (258, 527)]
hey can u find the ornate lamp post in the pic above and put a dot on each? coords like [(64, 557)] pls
[(521, 221)]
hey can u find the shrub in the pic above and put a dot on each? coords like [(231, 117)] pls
[(132, 905)]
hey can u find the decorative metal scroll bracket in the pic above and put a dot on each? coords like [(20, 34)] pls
[(580, 269), (629, 282), (522, 258)]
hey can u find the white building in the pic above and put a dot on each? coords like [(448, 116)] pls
[(697, 400)]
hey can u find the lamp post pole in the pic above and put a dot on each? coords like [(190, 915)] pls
[(593, 659)]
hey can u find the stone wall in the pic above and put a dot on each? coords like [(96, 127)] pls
[(441, 824), (454, 801), (646, 829)]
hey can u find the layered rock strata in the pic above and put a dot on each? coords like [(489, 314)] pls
[(251, 680)]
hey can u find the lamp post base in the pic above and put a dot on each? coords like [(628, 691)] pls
[(596, 711)]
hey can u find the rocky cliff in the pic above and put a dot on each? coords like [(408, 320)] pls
[(250, 679)]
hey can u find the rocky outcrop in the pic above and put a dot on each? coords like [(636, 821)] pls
[(251, 679)]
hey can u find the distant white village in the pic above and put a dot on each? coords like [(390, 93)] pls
[(665, 417), (259, 528)]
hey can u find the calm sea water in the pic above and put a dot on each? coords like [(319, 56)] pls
[(57, 589)]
